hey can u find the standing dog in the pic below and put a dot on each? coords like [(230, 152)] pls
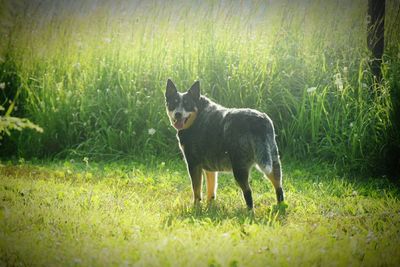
[(214, 138)]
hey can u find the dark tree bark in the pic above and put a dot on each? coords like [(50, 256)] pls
[(376, 34)]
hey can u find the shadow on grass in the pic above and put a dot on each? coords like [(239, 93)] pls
[(218, 213)]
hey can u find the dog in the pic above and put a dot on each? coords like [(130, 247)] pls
[(213, 138)]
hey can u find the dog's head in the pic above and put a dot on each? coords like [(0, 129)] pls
[(182, 108)]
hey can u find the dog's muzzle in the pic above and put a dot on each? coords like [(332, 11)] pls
[(180, 123)]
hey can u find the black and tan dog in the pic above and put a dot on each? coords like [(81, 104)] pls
[(214, 138)]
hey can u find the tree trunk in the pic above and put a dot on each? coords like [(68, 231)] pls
[(376, 34)]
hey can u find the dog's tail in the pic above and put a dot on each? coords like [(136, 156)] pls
[(266, 148), (264, 158)]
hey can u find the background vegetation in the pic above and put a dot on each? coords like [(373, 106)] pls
[(92, 74)]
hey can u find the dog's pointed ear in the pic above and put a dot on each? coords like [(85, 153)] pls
[(194, 91), (171, 89)]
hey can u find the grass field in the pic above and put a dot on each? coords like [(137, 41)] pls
[(75, 213)]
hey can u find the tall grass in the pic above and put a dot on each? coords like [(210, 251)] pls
[(93, 74)]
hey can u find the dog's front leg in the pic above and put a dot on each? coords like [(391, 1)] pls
[(212, 184), (195, 172)]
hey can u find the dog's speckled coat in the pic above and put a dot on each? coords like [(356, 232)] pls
[(223, 139)]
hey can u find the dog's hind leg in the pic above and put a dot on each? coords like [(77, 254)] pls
[(212, 184), (242, 178), (276, 178), (272, 169)]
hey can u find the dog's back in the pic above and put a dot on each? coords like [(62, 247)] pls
[(214, 138), (219, 134)]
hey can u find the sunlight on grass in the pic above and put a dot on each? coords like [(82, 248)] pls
[(63, 214)]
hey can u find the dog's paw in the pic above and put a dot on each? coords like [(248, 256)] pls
[(211, 205), (197, 207), (251, 213), (280, 207)]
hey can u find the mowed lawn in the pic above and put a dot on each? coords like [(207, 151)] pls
[(77, 214)]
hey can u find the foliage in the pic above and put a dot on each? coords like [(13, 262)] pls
[(89, 214), (93, 75), (8, 123)]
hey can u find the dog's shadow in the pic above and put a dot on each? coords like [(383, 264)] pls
[(218, 213)]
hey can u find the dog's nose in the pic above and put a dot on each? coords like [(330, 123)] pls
[(178, 115)]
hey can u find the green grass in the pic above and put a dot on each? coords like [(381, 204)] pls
[(69, 214), (93, 75)]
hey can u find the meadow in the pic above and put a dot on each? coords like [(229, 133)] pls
[(92, 214), (93, 75), (104, 183)]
